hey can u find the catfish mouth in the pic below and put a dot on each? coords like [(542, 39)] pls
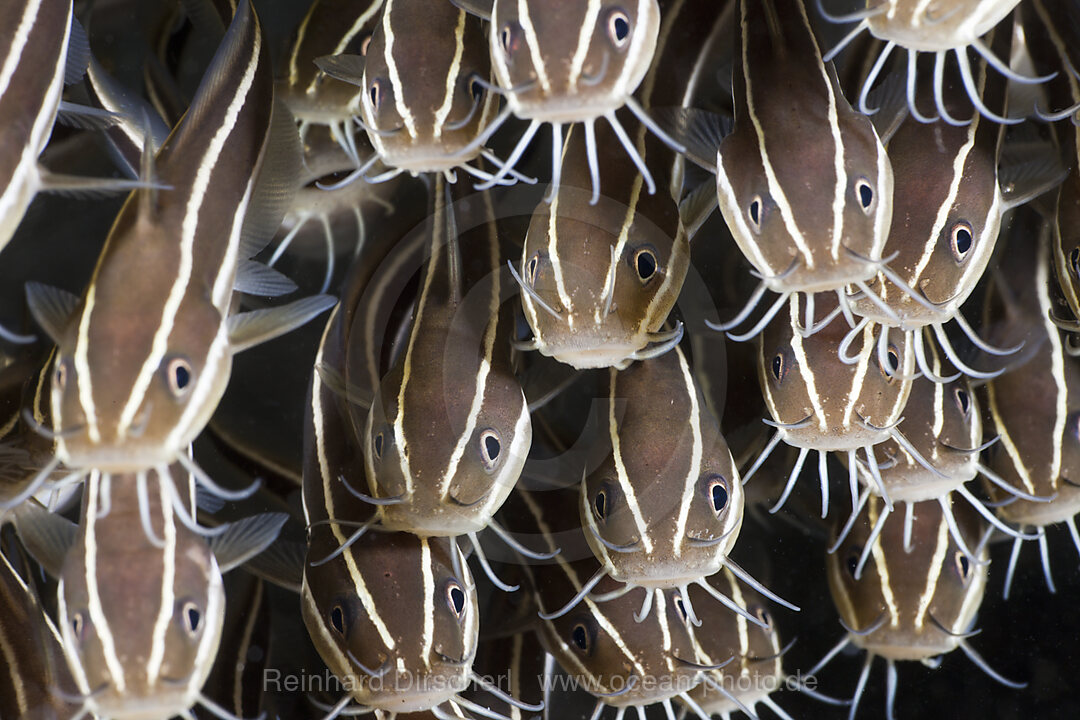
[(123, 457), (566, 109), (823, 278), (921, 650), (601, 355), (429, 157), (837, 439), (157, 703), (1042, 514), (447, 521), (665, 577), (405, 692)]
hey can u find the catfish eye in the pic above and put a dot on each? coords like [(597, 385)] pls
[(455, 598), (961, 240), (61, 376), (531, 267), (377, 446), (509, 38), (490, 449), (779, 367), (582, 636), (1074, 262), (77, 627), (178, 374), (963, 565), (476, 89), (337, 620), (963, 400), (600, 504), (716, 489), (618, 28), (892, 363), (852, 562), (865, 193), (754, 213), (375, 93), (191, 618), (763, 615), (645, 264)]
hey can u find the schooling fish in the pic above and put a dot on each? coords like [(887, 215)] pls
[(449, 428), (140, 596), (163, 286), (598, 278), (802, 179), (949, 202), (597, 638), (424, 77), (36, 681), (820, 401), (566, 63), (1035, 404), (394, 613), (664, 508), (941, 28), (943, 427), (329, 27), (918, 598)]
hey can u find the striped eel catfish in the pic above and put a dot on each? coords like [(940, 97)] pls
[(622, 662), (918, 598), (43, 47), (800, 236), (663, 509), (947, 221), (757, 671), (35, 681), (162, 289), (591, 306), (941, 28), (26, 467), (393, 615), (235, 682), (550, 75), (1054, 42), (1035, 405), (329, 27), (820, 402), (449, 429), (943, 423), (424, 98), (140, 612), (338, 218)]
